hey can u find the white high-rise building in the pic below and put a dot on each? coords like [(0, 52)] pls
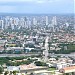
[(28, 23), (11, 21), (2, 24), (34, 21), (16, 21), (7, 22), (74, 29), (22, 22), (46, 20), (54, 21), (74, 25)]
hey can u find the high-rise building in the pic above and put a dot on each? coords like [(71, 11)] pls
[(22, 22), (54, 21), (7, 22), (28, 23), (16, 21), (46, 20), (34, 21), (74, 29), (1, 24)]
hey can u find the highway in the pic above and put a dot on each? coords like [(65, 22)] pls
[(35, 54), (17, 55)]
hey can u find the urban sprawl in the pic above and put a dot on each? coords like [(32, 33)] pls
[(37, 45)]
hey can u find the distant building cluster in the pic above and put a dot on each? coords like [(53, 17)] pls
[(54, 23)]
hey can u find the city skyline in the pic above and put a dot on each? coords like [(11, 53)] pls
[(37, 6)]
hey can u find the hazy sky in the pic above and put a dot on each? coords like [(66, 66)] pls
[(37, 6)]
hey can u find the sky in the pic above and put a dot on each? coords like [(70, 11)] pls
[(37, 6)]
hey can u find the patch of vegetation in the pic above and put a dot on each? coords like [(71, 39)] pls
[(70, 49), (51, 69), (39, 63), (8, 61)]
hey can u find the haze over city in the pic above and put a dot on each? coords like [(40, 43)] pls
[(37, 6)]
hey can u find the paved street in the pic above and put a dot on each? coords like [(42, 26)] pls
[(16, 55), (67, 55)]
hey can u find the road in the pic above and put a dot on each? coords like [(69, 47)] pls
[(35, 54), (17, 55), (45, 52), (67, 55)]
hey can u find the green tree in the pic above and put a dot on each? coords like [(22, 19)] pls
[(31, 74), (14, 72), (6, 72), (1, 70), (39, 63)]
